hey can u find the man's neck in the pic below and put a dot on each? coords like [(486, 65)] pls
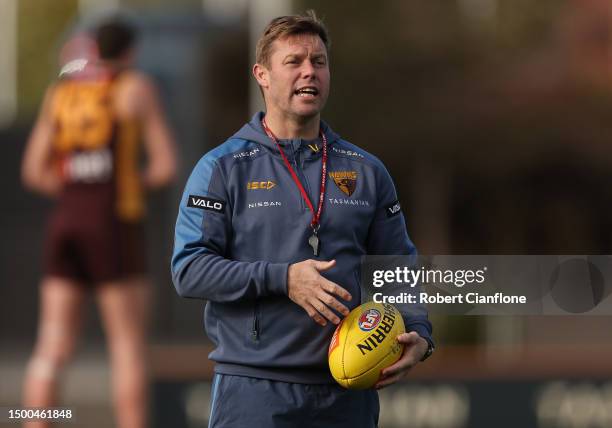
[(288, 128)]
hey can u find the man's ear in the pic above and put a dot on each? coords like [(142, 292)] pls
[(260, 73)]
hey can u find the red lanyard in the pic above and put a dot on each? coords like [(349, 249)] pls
[(314, 223)]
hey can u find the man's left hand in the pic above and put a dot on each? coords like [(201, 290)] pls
[(414, 349)]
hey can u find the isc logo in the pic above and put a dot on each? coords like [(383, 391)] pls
[(262, 185), (369, 320)]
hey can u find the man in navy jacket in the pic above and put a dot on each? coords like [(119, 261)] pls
[(271, 229)]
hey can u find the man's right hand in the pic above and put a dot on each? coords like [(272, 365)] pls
[(309, 289)]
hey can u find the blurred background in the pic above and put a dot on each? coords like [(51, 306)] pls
[(494, 118)]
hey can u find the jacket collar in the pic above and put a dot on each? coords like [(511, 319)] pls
[(254, 131)]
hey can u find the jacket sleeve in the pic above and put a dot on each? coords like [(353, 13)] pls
[(201, 267), (388, 236)]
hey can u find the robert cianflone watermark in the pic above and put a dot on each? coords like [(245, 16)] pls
[(492, 284)]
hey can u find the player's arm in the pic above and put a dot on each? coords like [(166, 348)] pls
[(201, 266), (37, 171), (140, 98), (388, 236)]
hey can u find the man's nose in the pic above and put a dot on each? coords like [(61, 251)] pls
[(308, 69)]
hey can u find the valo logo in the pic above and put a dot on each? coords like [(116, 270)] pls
[(205, 203), (393, 209)]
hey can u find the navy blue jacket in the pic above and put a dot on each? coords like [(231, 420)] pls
[(242, 221)]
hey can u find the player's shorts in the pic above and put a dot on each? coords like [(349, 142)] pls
[(239, 401), (92, 248)]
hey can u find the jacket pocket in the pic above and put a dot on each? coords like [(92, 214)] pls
[(256, 328)]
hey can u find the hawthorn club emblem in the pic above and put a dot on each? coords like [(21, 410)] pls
[(345, 180)]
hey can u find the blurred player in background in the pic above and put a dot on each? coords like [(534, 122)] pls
[(85, 150)]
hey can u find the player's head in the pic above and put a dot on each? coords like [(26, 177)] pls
[(115, 39), (284, 26), (292, 67)]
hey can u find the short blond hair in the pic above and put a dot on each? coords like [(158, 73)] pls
[(290, 25)]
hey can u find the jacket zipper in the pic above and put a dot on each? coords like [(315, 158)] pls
[(255, 330), (293, 162), (357, 276), (299, 170)]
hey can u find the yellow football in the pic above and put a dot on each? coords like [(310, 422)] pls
[(364, 343)]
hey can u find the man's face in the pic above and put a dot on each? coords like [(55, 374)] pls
[(296, 81)]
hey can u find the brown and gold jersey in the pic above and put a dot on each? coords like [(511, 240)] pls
[(96, 151)]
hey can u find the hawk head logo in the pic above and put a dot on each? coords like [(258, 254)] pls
[(345, 180)]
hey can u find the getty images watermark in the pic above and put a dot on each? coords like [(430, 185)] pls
[(492, 284)]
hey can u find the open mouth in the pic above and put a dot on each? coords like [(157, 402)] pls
[(307, 92)]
